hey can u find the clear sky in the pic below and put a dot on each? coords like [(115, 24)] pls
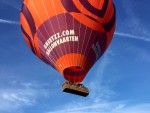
[(119, 82)]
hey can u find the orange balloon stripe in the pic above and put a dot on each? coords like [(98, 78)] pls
[(97, 3), (25, 25), (33, 8), (42, 10), (30, 7), (109, 13), (27, 30), (37, 46), (48, 8), (69, 60), (82, 9), (88, 22), (27, 41), (85, 11), (39, 9), (58, 7)]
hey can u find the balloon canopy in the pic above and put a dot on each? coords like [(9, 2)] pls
[(69, 35)]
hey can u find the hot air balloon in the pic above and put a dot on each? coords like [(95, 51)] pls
[(69, 35)]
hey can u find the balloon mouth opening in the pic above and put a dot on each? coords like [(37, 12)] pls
[(74, 74)]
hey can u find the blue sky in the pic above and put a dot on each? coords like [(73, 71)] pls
[(119, 82)]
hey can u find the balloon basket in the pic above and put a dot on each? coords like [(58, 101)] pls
[(73, 88)]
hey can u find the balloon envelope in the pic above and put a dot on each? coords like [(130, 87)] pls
[(69, 35)]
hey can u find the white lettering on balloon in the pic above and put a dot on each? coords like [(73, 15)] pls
[(59, 38)]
